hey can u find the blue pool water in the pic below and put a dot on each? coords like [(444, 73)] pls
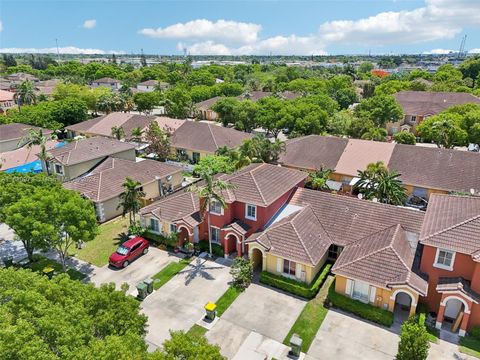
[(33, 167)]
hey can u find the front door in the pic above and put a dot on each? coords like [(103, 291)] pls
[(452, 308)]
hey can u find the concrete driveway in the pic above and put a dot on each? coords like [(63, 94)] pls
[(180, 302), (260, 309), (143, 267)]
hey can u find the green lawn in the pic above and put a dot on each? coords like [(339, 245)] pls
[(470, 346), (168, 272), (227, 299), (311, 318), (197, 330), (98, 250), (41, 263), (433, 334)]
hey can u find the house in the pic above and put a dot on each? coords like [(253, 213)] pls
[(46, 87), (7, 100), (259, 192), (194, 140), (80, 157), (149, 85), (113, 84), (103, 185), (373, 246), (12, 134), (21, 77), (423, 170), (24, 159), (418, 105), (451, 246)]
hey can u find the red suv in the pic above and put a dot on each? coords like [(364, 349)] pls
[(129, 251)]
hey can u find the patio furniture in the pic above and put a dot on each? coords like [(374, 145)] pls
[(211, 312), (295, 345)]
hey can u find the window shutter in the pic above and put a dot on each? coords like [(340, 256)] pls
[(349, 287), (279, 265), (298, 271), (373, 291)]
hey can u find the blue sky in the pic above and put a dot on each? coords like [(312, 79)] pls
[(240, 27)]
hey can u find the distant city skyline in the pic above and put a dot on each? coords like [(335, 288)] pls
[(248, 27)]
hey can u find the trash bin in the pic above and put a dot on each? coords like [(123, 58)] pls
[(210, 310), (48, 271), (8, 261), (149, 283), (142, 290), (295, 345)]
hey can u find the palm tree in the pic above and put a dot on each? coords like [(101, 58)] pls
[(118, 132), (317, 180), (210, 191), (130, 199), (239, 159), (36, 137), (137, 134), (276, 149), (25, 94), (261, 149)]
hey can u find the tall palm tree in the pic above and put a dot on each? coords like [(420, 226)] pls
[(36, 137), (118, 132), (25, 94), (210, 191), (276, 149), (137, 134), (130, 199)]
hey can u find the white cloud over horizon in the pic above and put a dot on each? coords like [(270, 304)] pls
[(62, 50), (439, 51), (437, 20), (89, 24)]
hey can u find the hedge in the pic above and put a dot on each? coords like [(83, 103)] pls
[(296, 287), (365, 311), (217, 249)]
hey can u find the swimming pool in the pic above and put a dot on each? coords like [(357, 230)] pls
[(33, 167)]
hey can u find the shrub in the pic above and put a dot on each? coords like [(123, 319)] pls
[(242, 272), (475, 332), (413, 341), (296, 287), (366, 311), (216, 248), (404, 137), (168, 241)]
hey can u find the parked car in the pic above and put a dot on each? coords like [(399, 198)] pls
[(129, 251)]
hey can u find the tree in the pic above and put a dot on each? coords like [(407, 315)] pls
[(145, 102), (269, 115), (25, 93), (69, 111), (178, 102), (36, 137), (118, 132), (261, 149), (109, 102), (159, 140), (365, 67), (209, 192), (215, 164), (340, 122), (444, 130), (470, 68), (184, 346), (65, 319), (226, 108), (242, 272), (414, 342), (377, 182), (246, 116), (130, 199), (380, 109), (375, 134), (317, 180), (404, 137), (137, 134)]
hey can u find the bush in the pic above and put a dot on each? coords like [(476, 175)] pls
[(296, 287), (413, 341), (217, 249), (365, 311), (475, 332), (169, 241), (242, 272), (404, 137)]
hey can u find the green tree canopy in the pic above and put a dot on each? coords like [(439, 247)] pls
[(380, 109), (444, 130), (215, 164), (404, 137)]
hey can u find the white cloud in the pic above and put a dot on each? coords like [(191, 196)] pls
[(90, 24), (475, 51), (1, 26), (62, 50), (439, 51), (202, 29)]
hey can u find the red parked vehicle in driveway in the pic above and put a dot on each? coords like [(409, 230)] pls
[(128, 251)]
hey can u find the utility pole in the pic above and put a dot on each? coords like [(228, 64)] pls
[(58, 52)]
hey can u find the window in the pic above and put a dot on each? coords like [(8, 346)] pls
[(173, 228), (289, 267), (216, 207), (360, 290), (413, 119), (154, 225), (444, 259), (251, 212), (59, 169), (215, 234), (195, 157)]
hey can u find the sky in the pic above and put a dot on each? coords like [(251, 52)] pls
[(247, 27)]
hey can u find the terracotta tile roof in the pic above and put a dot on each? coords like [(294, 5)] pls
[(383, 258), (6, 95), (359, 153), (450, 170), (452, 223), (347, 219), (180, 206), (15, 131), (208, 138), (254, 95), (105, 181), (89, 149), (207, 104), (313, 151), (457, 284), (168, 124), (261, 184), (23, 155), (107, 80), (430, 103), (149, 83), (299, 237)]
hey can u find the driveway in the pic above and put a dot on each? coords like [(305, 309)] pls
[(142, 268), (180, 302), (260, 309)]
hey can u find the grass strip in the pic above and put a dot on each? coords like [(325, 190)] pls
[(168, 272), (470, 346), (197, 331), (227, 299)]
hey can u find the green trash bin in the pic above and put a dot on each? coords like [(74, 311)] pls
[(8, 261), (149, 283), (142, 290), (295, 345)]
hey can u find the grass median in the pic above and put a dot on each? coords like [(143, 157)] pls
[(168, 272)]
